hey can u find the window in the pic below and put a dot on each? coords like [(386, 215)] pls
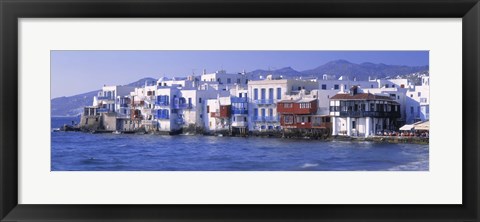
[(270, 93), (371, 86), (423, 100), (238, 81), (240, 95), (208, 109), (189, 101), (255, 94), (324, 86), (386, 85), (287, 105), (411, 110), (411, 95), (263, 93), (201, 116), (229, 80), (255, 112), (335, 86), (419, 94), (200, 100), (279, 93), (270, 112), (288, 119), (354, 124), (263, 112)]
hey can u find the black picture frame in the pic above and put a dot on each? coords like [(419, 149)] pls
[(11, 11)]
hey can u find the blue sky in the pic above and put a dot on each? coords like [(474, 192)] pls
[(75, 72)]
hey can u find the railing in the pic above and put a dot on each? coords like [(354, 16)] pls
[(239, 123), (104, 98), (240, 111), (182, 106), (163, 116), (263, 101), (149, 122), (123, 105), (103, 110), (369, 114), (239, 100), (265, 118), (162, 103)]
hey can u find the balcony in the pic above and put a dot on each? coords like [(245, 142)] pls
[(163, 117), (239, 100), (103, 110), (162, 103), (239, 111), (263, 101), (376, 114), (265, 118), (239, 124), (104, 98), (182, 106), (149, 122)]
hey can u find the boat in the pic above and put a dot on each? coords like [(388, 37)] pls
[(56, 130), (117, 132)]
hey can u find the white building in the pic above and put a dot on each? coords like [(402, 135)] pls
[(218, 116), (222, 77), (263, 96), (106, 99), (418, 102), (363, 114)]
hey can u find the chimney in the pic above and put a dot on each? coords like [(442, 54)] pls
[(204, 71), (342, 88)]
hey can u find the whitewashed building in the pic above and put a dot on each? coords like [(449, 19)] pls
[(418, 102), (363, 114), (263, 96)]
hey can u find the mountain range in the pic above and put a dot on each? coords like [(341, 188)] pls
[(73, 105), (344, 68)]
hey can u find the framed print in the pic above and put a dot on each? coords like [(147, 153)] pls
[(225, 110)]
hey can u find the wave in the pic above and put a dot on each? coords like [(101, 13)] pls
[(308, 165)]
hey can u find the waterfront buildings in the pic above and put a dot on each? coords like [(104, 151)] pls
[(220, 102)]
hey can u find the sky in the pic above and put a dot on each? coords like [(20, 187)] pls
[(75, 72)]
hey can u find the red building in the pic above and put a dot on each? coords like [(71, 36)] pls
[(301, 114), (224, 112)]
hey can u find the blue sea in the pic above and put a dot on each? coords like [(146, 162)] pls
[(77, 151)]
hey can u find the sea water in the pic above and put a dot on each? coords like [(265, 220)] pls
[(77, 151)]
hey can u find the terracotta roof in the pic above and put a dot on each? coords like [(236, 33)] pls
[(360, 96)]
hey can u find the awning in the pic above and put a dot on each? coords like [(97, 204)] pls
[(422, 126), (406, 127)]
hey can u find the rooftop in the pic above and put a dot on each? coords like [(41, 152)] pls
[(360, 96)]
